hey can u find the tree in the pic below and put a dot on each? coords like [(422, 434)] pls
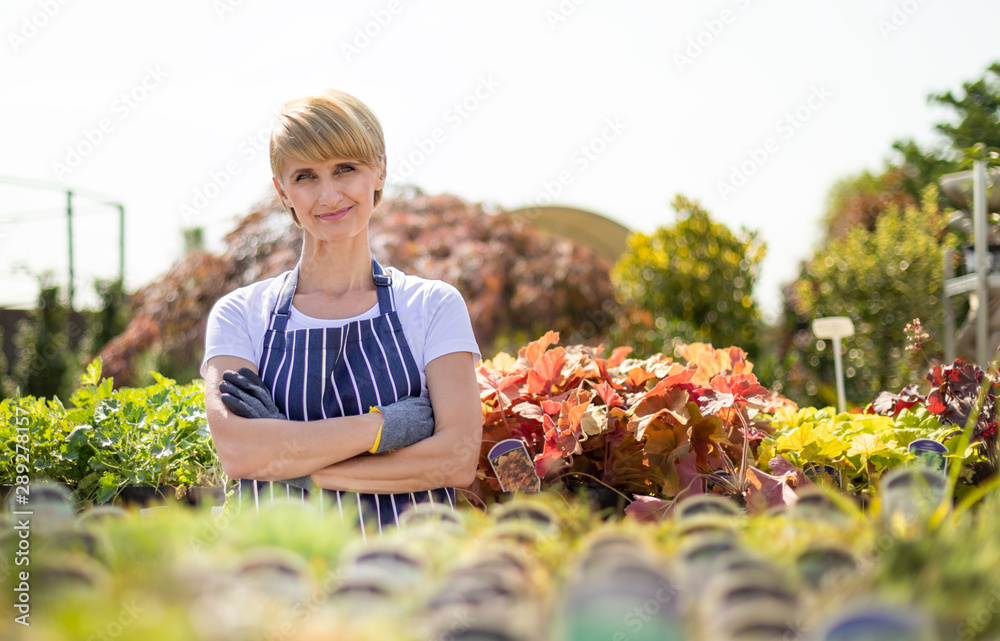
[(977, 108), (111, 317), (43, 346), (690, 282), (6, 385), (517, 280), (851, 224), (882, 279), (861, 199)]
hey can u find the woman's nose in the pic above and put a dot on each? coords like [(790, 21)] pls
[(329, 192)]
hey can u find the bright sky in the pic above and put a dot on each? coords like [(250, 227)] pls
[(610, 106)]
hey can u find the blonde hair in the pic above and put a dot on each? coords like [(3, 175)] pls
[(331, 124)]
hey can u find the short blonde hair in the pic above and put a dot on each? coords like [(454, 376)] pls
[(331, 124)]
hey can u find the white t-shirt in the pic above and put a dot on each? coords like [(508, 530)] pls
[(433, 314)]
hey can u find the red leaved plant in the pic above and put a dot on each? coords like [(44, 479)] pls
[(641, 427)]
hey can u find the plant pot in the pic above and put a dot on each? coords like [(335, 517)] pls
[(604, 501), (7, 490), (142, 496)]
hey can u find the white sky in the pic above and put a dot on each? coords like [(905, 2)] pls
[(216, 70)]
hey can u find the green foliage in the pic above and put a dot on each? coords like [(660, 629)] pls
[(691, 282), (108, 439), (861, 446), (977, 120), (950, 571), (922, 167), (860, 200), (857, 271), (977, 108), (882, 280), (111, 317), (43, 346), (6, 385)]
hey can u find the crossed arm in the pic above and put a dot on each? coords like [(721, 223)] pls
[(334, 450)]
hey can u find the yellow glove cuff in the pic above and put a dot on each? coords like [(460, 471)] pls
[(378, 437)]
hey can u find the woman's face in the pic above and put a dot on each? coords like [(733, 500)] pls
[(333, 199)]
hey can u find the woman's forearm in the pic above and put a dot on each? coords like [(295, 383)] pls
[(440, 461), (447, 459), (274, 449), (268, 449)]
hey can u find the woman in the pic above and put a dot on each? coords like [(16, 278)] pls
[(323, 374)]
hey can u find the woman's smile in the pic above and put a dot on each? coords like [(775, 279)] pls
[(334, 215)]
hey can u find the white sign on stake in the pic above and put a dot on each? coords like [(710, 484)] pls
[(835, 327)]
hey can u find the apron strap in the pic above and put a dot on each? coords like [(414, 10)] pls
[(383, 285), (283, 306)]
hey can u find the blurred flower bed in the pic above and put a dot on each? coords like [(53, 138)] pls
[(528, 569)]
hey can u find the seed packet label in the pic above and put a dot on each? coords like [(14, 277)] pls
[(513, 466), (929, 453)]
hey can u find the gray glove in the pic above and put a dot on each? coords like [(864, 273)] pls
[(405, 422), (246, 395)]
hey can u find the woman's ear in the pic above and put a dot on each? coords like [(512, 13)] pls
[(278, 188), (284, 201)]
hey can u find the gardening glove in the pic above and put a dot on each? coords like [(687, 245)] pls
[(246, 395), (405, 422)]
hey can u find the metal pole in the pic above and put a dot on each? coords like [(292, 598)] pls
[(121, 244), (981, 247), (838, 367), (69, 225)]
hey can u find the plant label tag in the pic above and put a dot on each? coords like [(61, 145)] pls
[(878, 625), (929, 453), (824, 475), (513, 466)]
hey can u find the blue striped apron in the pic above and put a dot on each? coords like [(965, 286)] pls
[(339, 371)]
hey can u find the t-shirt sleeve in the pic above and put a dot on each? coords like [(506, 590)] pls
[(449, 327), (228, 330)]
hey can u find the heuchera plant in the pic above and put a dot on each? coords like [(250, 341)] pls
[(953, 396), (645, 427)]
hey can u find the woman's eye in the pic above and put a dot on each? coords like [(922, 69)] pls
[(302, 177)]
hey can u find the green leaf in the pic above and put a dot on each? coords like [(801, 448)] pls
[(79, 437), (107, 487), (92, 376), (105, 410), (868, 446)]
